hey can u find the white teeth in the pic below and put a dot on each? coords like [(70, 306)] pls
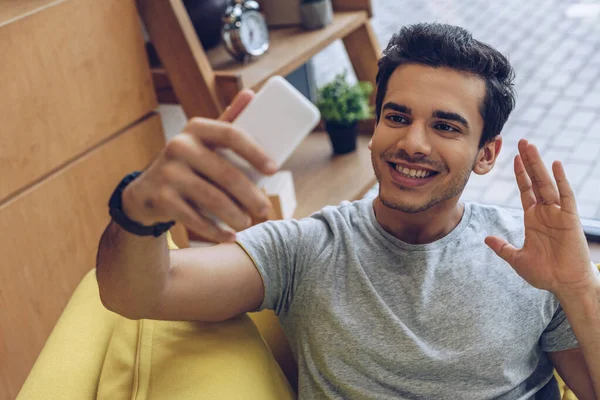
[(413, 173)]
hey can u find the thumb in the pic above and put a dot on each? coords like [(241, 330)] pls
[(237, 105), (502, 248)]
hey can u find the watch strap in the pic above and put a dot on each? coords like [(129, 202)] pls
[(115, 206)]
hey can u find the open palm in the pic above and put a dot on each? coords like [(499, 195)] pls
[(555, 255)]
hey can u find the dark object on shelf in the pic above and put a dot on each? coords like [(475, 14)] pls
[(316, 14), (303, 79), (206, 16), (343, 137)]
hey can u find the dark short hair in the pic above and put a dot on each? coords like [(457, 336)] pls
[(441, 45)]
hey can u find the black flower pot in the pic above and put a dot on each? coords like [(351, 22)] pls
[(343, 137)]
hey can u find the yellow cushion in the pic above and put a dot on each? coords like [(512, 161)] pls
[(185, 360), (70, 364), (149, 359), (565, 392)]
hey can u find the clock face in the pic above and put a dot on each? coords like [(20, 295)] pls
[(254, 33)]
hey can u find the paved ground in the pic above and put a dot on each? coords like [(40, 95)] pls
[(557, 60)]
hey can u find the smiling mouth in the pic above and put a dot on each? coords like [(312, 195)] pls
[(413, 173)]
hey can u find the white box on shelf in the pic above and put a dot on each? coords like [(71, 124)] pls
[(281, 192)]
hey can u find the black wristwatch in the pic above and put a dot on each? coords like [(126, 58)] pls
[(115, 209)]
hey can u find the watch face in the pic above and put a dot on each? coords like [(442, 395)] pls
[(254, 33)]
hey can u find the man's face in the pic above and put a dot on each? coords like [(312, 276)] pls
[(426, 142)]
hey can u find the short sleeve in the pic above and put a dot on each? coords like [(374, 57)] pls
[(558, 335), (281, 251)]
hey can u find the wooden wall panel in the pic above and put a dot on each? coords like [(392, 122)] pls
[(12, 9), (48, 240), (73, 72)]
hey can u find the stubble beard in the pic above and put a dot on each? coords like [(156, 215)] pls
[(454, 188)]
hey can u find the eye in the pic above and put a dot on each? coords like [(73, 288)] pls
[(445, 128), (397, 119)]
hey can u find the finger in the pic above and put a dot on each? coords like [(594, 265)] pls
[(203, 195), (221, 173), (522, 154), (241, 100), (567, 197), (542, 184), (502, 248), (215, 133), (524, 184), (198, 223)]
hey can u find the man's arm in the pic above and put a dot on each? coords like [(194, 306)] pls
[(583, 312), (555, 255), (139, 277), (573, 369)]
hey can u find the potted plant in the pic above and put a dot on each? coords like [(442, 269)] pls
[(316, 14), (342, 105)]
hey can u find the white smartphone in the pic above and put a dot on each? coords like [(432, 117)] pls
[(278, 118)]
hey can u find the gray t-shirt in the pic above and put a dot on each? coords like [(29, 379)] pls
[(371, 317)]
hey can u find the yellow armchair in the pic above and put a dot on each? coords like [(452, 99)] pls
[(94, 353)]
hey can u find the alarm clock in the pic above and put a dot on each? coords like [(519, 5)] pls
[(245, 31)]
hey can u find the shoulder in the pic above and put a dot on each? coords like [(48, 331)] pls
[(330, 221), (326, 220), (345, 214)]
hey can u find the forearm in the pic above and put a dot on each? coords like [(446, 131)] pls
[(132, 271), (583, 312)]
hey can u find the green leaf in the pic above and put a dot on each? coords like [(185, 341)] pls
[(343, 103)]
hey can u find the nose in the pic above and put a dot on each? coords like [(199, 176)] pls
[(415, 140)]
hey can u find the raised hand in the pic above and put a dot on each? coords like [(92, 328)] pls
[(555, 255)]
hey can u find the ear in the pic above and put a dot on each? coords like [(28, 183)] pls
[(487, 155)]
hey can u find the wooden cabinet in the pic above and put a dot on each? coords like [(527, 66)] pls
[(76, 107), (73, 74)]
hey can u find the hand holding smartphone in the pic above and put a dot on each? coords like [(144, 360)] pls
[(191, 181)]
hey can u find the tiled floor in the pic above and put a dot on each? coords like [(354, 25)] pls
[(557, 60)]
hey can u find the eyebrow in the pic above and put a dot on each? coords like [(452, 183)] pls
[(397, 107), (450, 116)]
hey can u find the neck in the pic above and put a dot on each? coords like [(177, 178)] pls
[(422, 227)]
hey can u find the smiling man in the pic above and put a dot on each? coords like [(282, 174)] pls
[(431, 135), (410, 295)]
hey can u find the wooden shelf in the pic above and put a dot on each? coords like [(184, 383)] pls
[(204, 83), (289, 49)]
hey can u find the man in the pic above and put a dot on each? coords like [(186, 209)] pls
[(410, 295)]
